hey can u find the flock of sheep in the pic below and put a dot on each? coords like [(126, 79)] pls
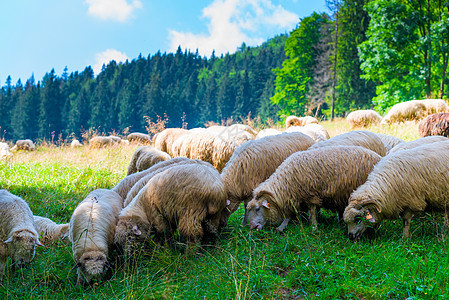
[(191, 181)]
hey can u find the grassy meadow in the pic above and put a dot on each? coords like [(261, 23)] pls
[(243, 264)]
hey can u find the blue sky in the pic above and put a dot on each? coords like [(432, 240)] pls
[(40, 35)]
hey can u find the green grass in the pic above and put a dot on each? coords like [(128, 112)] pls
[(243, 264)]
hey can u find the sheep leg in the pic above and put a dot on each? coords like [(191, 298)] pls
[(406, 218), (313, 218), (283, 225)]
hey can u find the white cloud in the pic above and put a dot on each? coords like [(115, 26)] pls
[(105, 57), (118, 10), (232, 22)]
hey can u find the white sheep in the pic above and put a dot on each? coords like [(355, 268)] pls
[(18, 235), (299, 121), (137, 137), (188, 197), (49, 231), (164, 140), (145, 157), (92, 227), (402, 184), (434, 106), (5, 153), (389, 141), (317, 178), (418, 142), (363, 118), (75, 143), (254, 161), (316, 131), (25, 145), (267, 132), (405, 111), (101, 142), (363, 138)]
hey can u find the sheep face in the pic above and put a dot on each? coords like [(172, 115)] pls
[(260, 212), (21, 246), (129, 234), (90, 265), (358, 220)]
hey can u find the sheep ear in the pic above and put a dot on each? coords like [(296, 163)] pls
[(38, 243), (136, 230), (370, 217), (265, 203), (8, 241)]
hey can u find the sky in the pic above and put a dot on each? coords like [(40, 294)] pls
[(37, 36)]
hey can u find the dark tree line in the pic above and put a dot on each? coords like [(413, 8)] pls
[(182, 86)]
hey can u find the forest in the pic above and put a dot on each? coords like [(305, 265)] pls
[(358, 54)]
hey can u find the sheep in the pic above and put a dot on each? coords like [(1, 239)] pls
[(75, 143), (18, 235), (189, 198), (389, 141), (5, 153), (317, 132), (402, 184), (50, 231), (316, 178), (25, 145), (101, 142), (115, 138), (145, 157), (165, 139), (91, 232), (254, 161), (434, 106), (436, 124), (363, 118), (418, 142), (363, 138), (267, 132), (301, 121), (404, 111), (142, 181), (137, 137)]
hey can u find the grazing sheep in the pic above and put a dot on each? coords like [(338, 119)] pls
[(115, 138), (316, 178), (137, 137), (418, 142), (91, 232), (243, 127), (165, 139), (139, 184), (301, 121), (363, 138), (5, 153), (101, 142), (317, 132), (18, 235), (253, 162), (436, 124), (75, 143), (25, 145), (405, 111), (267, 132), (434, 106), (389, 141), (189, 198), (50, 231), (145, 157), (402, 184), (363, 118)]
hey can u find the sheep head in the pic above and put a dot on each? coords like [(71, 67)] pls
[(361, 216), (129, 233), (90, 265), (21, 246), (261, 210)]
